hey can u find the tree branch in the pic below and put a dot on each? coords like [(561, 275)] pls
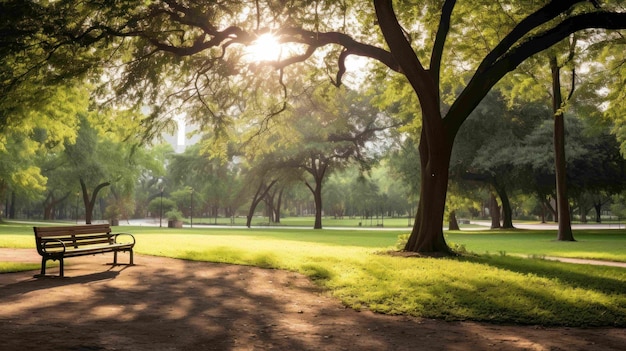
[(485, 79), (316, 40), (400, 47), (440, 40), (539, 17)]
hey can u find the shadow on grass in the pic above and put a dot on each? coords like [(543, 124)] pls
[(609, 280), (493, 289), (558, 294)]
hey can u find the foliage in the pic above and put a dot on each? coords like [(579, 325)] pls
[(30, 134), (160, 205), (323, 131), (402, 239), (174, 215), (112, 212)]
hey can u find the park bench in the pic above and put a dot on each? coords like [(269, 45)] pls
[(57, 243)]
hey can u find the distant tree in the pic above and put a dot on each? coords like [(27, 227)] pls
[(325, 130), (30, 135), (214, 178), (99, 159), (598, 174)]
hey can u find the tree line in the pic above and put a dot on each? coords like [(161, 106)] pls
[(503, 166)]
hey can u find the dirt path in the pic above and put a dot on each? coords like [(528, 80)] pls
[(168, 304)]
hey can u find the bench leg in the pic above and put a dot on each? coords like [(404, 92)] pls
[(44, 260), (130, 251)]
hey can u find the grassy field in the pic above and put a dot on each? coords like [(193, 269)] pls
[(353, 265)]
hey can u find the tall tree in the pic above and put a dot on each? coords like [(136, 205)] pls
[(101, 157), (328, 129), (31, 136)]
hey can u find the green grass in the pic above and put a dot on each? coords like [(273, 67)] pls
[(9, 267), (593, 244), (497, 288)]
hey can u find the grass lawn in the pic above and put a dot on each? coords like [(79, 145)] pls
[(496, 287), (609, 244)]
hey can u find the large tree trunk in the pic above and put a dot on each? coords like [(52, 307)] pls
[(547, 203), (48, 211), (318, 170), (269, 208), (317, 197), (90, 203), (565, 222), (598, 208), (507, 212), (13, 206), (279, 203), (453, 224), (427, 234), (318, 207), (259, 195), (494, 211), (50, 206)]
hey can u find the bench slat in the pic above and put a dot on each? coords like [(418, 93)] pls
[(64, 231)]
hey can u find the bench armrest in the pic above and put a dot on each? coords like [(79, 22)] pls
[(123, 234), (45, 243)]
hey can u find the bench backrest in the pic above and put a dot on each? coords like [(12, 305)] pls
[(72, 236)]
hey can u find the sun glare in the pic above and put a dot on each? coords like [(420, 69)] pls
[(265, 48)]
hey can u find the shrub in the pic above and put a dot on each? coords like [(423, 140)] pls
[(174, 215), (155, 206), (402, 240)]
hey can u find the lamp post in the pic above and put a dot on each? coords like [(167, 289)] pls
[(191, 212), (161, 210)]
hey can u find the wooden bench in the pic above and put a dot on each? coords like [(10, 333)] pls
[(57, 243)]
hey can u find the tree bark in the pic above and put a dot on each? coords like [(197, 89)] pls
[(507, 212), (12, 208), (565, 222), (598, 208), (317, 197), (90, 203), (427, 234), (317, 169), (260, 194), (49, 207), (453, 224), (269, 208), (494, 211), (553, 212), (279, 203)]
